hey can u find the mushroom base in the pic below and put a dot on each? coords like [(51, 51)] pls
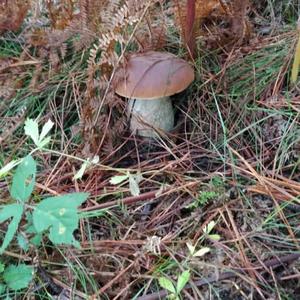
[(149, 114)]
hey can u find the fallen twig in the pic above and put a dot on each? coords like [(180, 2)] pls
[(128, 200)]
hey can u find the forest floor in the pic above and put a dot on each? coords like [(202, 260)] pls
[(208, 211)]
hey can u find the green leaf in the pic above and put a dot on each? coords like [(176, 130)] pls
[(191, 248), (118, 179), (201, 252), (44, 142), (46, 128), (133, 186), (21, 189), (18, 277), (15, 212), (59, 215), (217, 181), (205, 196), (4, 170), (214, 237), (209, 227), (84, 166), (81, 171), (95, 159), (2, 267), (32, 129), (134, 181), (22, 242), (29, 228), (167, 284), (182, 280), (2, 288), (37, 239)]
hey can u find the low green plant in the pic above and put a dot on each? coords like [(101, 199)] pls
[(175, 291), (194, 252), (203, 198), (14, 277), (213, 191), (133, 180), (56, 217), (206, 196)]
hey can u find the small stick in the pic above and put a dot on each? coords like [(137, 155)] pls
[(128, 200)]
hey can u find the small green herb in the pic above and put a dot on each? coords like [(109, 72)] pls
[(18, 277)]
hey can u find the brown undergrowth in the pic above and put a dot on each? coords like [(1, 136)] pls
[(232, 158)]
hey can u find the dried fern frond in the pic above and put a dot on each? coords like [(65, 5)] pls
[(96, 33), (151, 34), (232, 14), (61, 13), (11, 124), (103, 59), (203, 9), (12, 14)]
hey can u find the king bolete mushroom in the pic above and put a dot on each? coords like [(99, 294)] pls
[(149, 79)]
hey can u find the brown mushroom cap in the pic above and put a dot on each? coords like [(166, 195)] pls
[(154, 74)]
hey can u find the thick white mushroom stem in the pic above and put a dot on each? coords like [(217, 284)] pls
[(148, 114)]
